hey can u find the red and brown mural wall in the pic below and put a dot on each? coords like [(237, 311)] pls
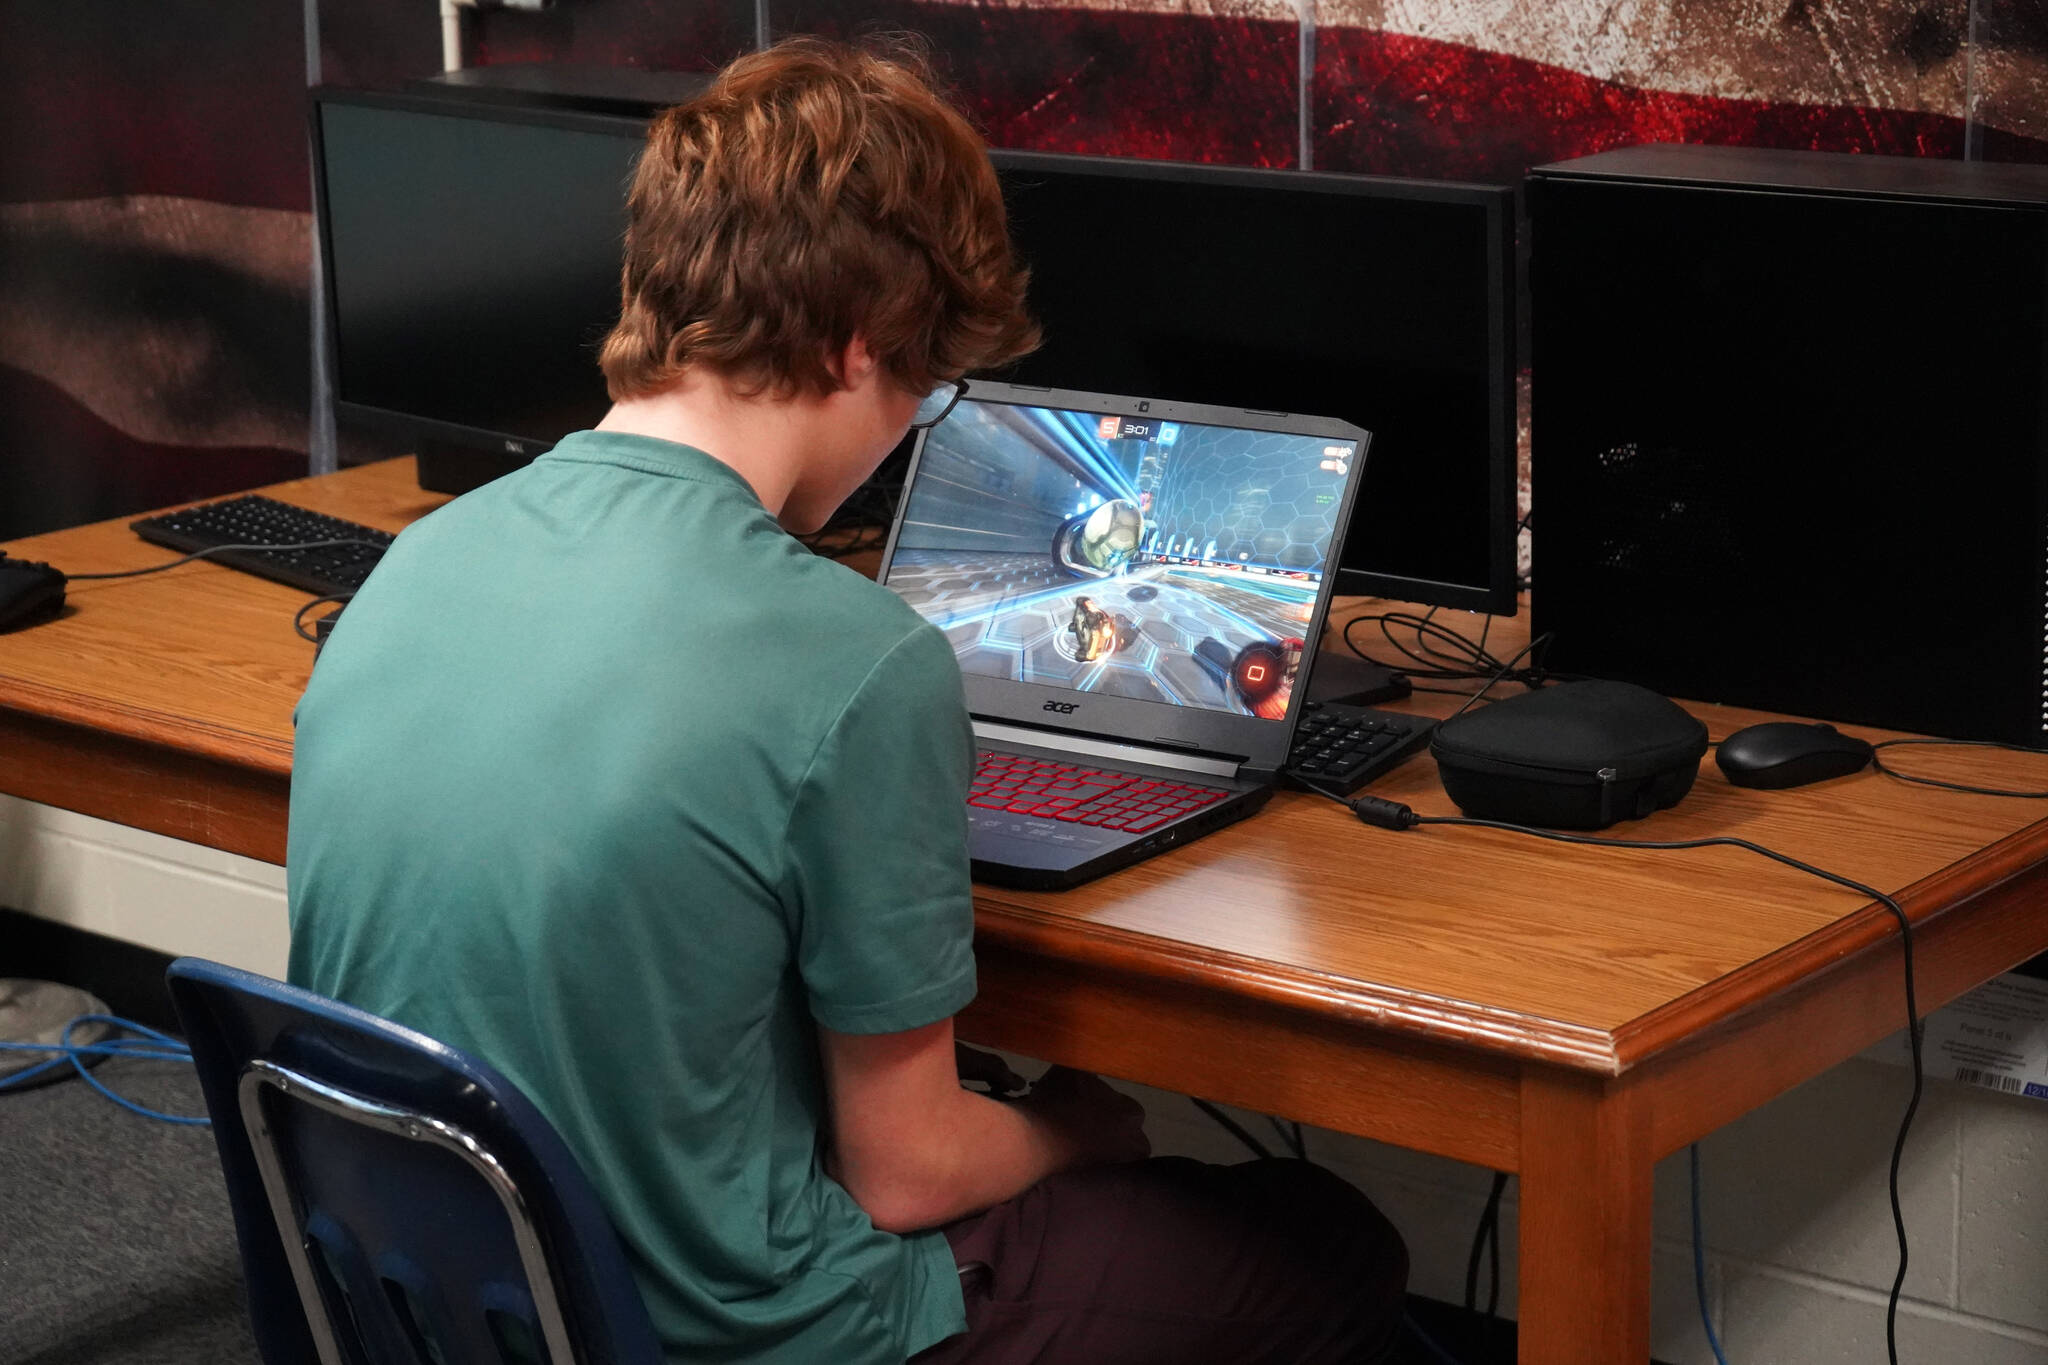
[(155, 305)]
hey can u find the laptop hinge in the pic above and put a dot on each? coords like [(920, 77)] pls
[(1209, 765)]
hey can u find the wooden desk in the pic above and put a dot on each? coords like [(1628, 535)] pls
[(1567, 1014)]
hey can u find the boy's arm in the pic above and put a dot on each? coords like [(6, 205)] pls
[(915, 1150)]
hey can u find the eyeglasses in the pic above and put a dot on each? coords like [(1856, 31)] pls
[(938, 403)]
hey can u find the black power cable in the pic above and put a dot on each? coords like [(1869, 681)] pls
[(1440, 654), (1235, 1129), (1290, 1133), (1395, 816), (1477, 647), (299, 617), (1486, 1242)]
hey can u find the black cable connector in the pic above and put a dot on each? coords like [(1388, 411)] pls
[(1384, 814)]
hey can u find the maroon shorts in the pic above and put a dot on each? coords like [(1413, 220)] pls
[(1176, 1262)]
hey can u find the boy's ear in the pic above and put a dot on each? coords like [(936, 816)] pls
[(852, 364)]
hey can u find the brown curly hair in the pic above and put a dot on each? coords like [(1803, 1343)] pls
[(815, 193)]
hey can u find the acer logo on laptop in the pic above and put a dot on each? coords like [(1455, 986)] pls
[(1065, 708)]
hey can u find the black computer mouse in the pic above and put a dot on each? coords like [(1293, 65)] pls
[(29, 592), (1789, 753)]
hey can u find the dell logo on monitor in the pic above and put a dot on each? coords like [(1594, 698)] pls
[(1065, 708)]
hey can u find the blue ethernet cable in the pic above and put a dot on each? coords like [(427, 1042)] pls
[(148, 1044)]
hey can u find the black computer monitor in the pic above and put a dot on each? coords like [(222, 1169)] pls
[(471, 256), (1388, 303)]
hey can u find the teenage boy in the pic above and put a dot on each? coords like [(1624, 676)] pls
[(606, 778)]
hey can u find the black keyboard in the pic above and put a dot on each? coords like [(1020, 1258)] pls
[(1340, 748), (252, 520)]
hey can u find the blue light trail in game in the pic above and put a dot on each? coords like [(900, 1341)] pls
[(1291, 591), (1074, 436)]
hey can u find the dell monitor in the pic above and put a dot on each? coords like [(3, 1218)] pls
[(471, 253), (1387, 303)]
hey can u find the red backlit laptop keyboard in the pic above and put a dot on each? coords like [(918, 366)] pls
[(1082, 795)]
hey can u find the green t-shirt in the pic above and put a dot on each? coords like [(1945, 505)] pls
[(605, 778)]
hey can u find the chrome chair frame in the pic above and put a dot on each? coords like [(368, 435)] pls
[(262, 1075)]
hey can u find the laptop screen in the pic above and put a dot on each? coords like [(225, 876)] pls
[(1122, 555)]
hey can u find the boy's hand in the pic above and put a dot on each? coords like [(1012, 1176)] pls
[(985, 1068), (1098, 1124)]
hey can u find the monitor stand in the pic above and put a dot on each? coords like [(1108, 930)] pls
[(1353, 681), (445, 467)]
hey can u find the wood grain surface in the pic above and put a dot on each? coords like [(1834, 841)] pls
[(1594, 959), (1568, 1013), (1585, 1214), (201, 658), (164, 701)]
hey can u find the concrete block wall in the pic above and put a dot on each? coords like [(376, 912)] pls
[(1800, 1249)]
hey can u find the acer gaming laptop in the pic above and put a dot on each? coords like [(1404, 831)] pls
[(1135, 590)]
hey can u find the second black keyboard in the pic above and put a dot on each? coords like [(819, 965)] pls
[(272, 525), (1339, 748)]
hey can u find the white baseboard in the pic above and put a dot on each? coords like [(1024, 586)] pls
[(143, 888)]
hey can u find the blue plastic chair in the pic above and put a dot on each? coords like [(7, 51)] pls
[(397, 1201)]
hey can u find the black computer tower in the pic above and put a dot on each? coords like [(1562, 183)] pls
[(1790, 432)]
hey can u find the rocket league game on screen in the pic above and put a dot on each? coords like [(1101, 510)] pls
[(1124, 555)]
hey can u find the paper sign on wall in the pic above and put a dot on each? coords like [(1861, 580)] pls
[(1995, 1037)]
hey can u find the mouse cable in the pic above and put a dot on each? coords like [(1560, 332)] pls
[(223, 549), (1385, 814), (299, 616), (1877, 762)]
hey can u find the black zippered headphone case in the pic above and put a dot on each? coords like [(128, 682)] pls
[(1577, 755)]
